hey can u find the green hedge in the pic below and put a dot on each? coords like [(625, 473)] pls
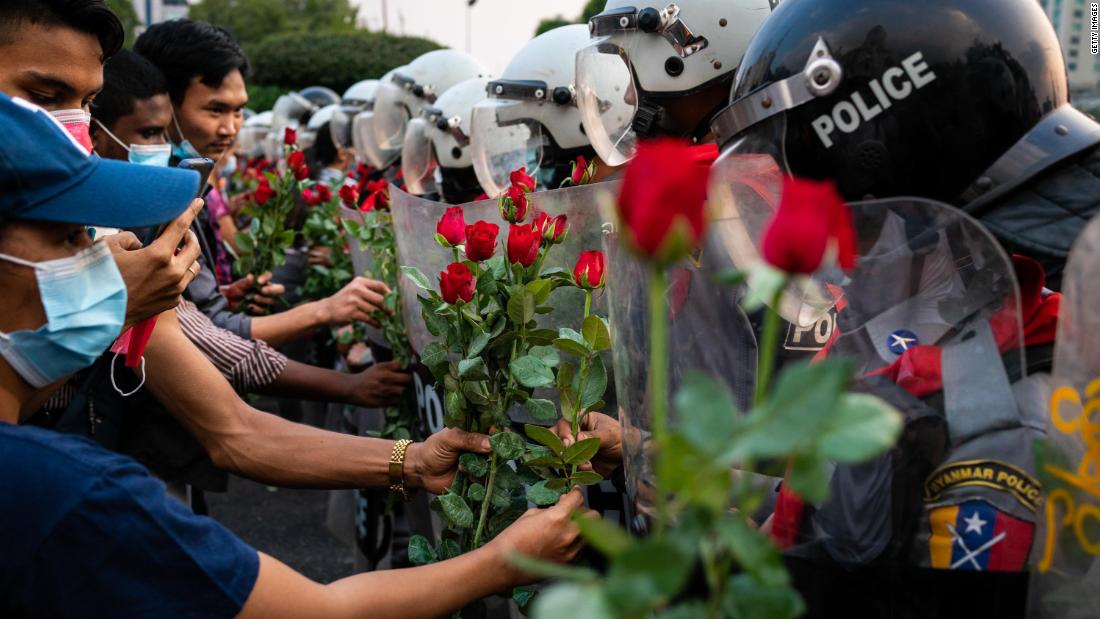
[(336, 60)]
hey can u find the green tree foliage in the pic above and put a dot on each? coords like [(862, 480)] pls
[(550, 23), (252, 21), (591, 8), (262, 98), (128, 16), (336, 60)]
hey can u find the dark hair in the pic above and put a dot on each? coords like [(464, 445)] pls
[(88, 16), (184, 49), (323, 152), (127, 77)]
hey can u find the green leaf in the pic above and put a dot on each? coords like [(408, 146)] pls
[(448, 549), (442, 240), (507, 478), (521, 306), (556, 571), (595, 384), (543, 410), (435, 323), (862, 427), (807, 475), (434, 354), (544, 436), (571, 347), (546, 461), (540, 290), (569, 334), (421, 551), (581, 451), (571, 600), (570, 403), (456, 510), (531, 372), (474, 464), (746, 598), (496, 266), (507, 445), (486, 285), (454, 409), (646, 574), (596, 333), (472, 369), (476, 493), (731, 277), (607, 537), (542, 337), (542, 496), (586, 478), (707, 412), (522, 596), (546, 354), (754, 552), (416, 276), (478, 344), (764, 282)]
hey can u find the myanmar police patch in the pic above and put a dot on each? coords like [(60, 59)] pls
[(976, 536)]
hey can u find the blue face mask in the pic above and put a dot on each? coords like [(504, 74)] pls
[(84, 298), (183, 150), (142, 154), (230, 167)]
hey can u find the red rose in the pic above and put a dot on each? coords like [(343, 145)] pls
[(481, 240), (811, 214), (481, 196), (310, 198), (521, 178), (451, 229), (662, 203), (553, 229), (523, 244), (296, 163), (349, 195), (290, 136), (324, 194), (589, 270), (580, 171), (456, 283), (513, 204), (379, 191), (263, 193)]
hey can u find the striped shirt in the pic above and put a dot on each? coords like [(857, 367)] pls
[(247, 364)]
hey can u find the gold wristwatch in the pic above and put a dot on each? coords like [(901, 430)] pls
[(397, 469)]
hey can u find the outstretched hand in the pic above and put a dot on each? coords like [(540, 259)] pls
[(432, 464)]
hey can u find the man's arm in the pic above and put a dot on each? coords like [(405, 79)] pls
[(380, 385), (272, 450), (356, 301)]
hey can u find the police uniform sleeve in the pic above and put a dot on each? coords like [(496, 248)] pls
[(129, 550)]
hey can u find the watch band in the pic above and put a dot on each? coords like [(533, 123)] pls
[(397, 468)]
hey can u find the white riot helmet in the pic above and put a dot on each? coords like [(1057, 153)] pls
[(355, 100), (253, 133), (530, 118), (317, 120), (418, 84), (436, 153), (645, 52)]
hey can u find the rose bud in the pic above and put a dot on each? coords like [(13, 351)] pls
[(379, 190), (523, 244), (290, 136), (263, 193), (450, 231), (513, 204), (589, 270), (580, 171), (457, 283), (324, 194), (522, 179), (296, 163), (310, 198), (555, 230), (811, 215), (349, 195), (481, 240), (662, 202)]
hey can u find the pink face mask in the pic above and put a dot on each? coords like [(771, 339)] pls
[(76, 123)]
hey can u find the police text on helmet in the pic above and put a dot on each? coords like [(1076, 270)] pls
[(893, 85)]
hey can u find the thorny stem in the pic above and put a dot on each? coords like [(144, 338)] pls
[(658, 372), (486, 501)]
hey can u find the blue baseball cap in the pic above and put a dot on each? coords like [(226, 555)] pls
[(45, 175)]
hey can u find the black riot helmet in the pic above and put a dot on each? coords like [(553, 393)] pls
[(954, 100)]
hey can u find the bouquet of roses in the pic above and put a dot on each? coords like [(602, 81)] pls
[(330, 264), (375, 235), (262, 246), (492, 355)]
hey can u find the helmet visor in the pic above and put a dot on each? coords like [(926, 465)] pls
[(504, 141), (340, 126), (391, 115), (365, 146), (289, 109), (251, 141), (418, 162), (607, 98), (746, 184)]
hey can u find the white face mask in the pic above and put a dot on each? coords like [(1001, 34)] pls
[(142, 154)]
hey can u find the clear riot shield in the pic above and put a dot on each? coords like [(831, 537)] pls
[(414, 221), (362, 261), (1065, 581), (708, 332)]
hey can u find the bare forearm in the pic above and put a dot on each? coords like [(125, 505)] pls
[(307, 382), (278, 329)]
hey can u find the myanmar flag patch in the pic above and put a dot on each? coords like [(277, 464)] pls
[(976, 536)]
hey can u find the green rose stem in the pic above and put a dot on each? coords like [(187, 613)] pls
[(769, 344), (658, 371), (578, 418)]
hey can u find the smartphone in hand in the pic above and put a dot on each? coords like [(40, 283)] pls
[(205, 167)]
